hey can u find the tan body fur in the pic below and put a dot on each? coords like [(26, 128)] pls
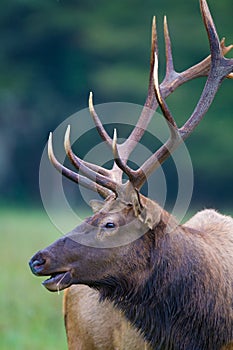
[(91, 325)]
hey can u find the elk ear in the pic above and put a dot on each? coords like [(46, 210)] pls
[(150, 212), (96, 205)]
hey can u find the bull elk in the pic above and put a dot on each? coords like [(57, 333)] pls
[(174, 283)]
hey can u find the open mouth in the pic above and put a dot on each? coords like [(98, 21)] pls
[(58, 281)]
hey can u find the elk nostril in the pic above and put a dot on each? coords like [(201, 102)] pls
[(36, 265)]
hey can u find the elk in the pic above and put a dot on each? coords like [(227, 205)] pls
[(173, 282)]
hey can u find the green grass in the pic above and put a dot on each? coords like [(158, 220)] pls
[(30, 316)]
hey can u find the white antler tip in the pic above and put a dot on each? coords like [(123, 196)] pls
[(165, 21), (67, 139), (154, 21), (114, 139), (68, 131), (91, 107), (50, 146)]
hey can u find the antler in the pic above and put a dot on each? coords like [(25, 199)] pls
[(215, 66), (219, 69), (83, 181), (170, 83)]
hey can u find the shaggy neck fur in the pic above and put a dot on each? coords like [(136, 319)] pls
[(178, 307)]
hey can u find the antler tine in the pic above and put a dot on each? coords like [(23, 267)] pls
[(126, 148), (154, 48), (123, 166), (200, 69), (170, 71), (99, 126), (220, 69), (150, 104), (215, 46), (161, 101), (87, 171), (83, 181), (77, 162), (225, 50)]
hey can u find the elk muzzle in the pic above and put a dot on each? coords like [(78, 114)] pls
[(43, 264)]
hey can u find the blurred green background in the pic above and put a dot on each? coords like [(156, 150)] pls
[(52, 53)]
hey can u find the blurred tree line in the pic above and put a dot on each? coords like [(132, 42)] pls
[(53, 52)]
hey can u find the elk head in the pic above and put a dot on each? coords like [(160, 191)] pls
[(82, 255)]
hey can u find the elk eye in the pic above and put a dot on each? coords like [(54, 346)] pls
[(110, 225)]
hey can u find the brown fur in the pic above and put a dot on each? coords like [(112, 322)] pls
[(91, 325)]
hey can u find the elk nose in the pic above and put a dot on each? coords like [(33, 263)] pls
[(36, 264)]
